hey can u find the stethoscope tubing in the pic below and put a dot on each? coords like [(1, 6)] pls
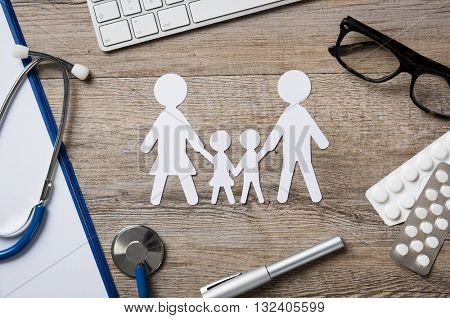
[(28, 235), (38, 211), (141, 281)]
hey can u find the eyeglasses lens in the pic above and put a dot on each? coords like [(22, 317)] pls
[(433, 92), (366, 56)]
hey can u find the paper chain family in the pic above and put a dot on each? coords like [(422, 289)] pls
[(172, 131)]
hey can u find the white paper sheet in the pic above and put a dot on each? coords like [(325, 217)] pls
[(59, 263)]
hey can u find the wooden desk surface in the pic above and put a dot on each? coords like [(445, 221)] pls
[(232, 70)]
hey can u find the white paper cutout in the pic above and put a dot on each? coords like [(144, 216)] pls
[(220, 141), (172, 130), (296, 127), (249, 163)]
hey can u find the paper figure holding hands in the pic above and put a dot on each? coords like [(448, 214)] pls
[(296, 127), (250, 139), (220, 142), (172, 130)]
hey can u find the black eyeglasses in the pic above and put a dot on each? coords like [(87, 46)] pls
[(377, 58)]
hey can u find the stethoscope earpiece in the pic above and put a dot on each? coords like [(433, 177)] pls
[(23, 52), (80, 71), (20, 51)]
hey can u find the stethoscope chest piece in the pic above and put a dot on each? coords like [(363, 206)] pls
[(136, 245)]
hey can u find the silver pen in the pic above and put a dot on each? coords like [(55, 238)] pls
[(240, 283)]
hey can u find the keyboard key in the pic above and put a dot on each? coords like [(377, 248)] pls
[(173, 18), (107, 11), (115, 33), (173, 1), (152, 4), (130, 7), (204, 10), (144, 25)]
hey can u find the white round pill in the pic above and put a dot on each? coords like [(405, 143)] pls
[(423, 260), (442, 224), (392, 211), (417, 246), (442, 176), (431, 194), (445, 190), (380, 195), (425, 162), (421, 213), (407, 201), (409, 173), (426, 227), (411, 231), (395, 184), (401, 249), (436, 209), (447, 205), (439, 151), (432, 241)]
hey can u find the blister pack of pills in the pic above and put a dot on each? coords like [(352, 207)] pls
[(426, 227), (395, 195)]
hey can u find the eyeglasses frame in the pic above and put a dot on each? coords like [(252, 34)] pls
[(410, 61)]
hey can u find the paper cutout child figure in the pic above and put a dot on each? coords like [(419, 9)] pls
[(220, 142), (296, 127), (250, 140), (171, 129)]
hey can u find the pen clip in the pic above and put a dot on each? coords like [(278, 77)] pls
[(217, 283)]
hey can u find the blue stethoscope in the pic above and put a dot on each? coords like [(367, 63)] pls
[(34, 220)]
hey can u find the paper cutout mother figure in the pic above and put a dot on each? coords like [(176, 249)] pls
[(296, 127), (171, 129)]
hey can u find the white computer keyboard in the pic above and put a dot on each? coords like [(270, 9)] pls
[(120, 23)]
